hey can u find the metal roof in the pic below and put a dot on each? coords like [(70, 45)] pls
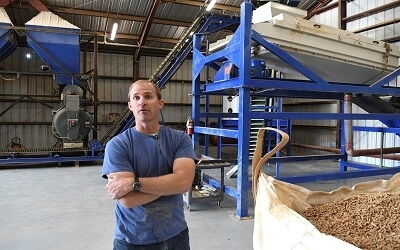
[(149, 25)]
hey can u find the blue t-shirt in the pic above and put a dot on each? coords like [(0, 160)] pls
[(148, 156)]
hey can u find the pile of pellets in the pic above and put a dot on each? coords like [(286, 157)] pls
[(368, 221)]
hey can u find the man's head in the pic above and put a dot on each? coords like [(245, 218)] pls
[(145, 101), (158, 91)]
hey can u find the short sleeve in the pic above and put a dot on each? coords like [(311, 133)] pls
[(116, 157), (185, 148)]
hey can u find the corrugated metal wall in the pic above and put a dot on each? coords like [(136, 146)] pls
[(370, 140), (312, 132), (34, 119), (38, 87), (175, 93), (390, 30)]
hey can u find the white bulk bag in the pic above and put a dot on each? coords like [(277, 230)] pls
[(277, 222)]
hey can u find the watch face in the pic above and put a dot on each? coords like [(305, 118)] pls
[(136, 186)]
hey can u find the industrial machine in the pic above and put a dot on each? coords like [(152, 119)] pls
[(312, 54), (56, 42), (72, 122)]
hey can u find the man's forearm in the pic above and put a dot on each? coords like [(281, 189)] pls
[(136, 198), (180, 181), (165, 185)]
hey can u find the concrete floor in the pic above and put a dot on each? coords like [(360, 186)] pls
[(68, 208)]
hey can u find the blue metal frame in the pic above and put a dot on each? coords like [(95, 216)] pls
[(238, 52), (8, 42), (94, 154), (49, 159)]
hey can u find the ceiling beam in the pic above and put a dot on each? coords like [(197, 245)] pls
[(102, 14), (146, 28), (117, 16), (5, 3), (98, 33), (127, 49), (38, 5), (201, 4), (133, 37)]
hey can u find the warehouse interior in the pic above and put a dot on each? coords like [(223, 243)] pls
[(325, 73)]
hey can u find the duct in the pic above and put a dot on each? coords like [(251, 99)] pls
[(58, 46), (348, 131), (8, 39)]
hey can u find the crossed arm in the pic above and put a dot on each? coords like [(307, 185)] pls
[(119, 184)]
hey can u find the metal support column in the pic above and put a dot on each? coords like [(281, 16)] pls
[(243, 183)]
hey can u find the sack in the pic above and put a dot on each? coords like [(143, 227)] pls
[(277, 222)]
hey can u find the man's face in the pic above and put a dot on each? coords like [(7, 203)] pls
[(143, 102)]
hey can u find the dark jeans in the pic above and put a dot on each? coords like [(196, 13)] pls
[(179, 242)]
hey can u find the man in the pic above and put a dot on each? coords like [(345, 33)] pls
[(148, 168)]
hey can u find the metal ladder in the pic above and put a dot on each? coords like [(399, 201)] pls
[(263, 104)]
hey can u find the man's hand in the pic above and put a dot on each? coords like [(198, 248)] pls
[(119, 184)]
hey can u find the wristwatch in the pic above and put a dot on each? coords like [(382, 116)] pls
[(136, 185)]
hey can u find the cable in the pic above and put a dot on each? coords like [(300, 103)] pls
[(7, 79)]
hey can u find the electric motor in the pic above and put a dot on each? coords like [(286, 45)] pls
[(72, 125), (72, 122)]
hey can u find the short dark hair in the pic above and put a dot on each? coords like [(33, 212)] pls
[(156, 88)]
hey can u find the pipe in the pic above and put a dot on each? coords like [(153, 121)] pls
[(299, 145), (387, 157), (348, 131), (95, 86), (337, 151)]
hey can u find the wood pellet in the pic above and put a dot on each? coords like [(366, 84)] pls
[(368, 221)]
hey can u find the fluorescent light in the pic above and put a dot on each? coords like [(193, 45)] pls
[(114, 31), (211, 5)]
